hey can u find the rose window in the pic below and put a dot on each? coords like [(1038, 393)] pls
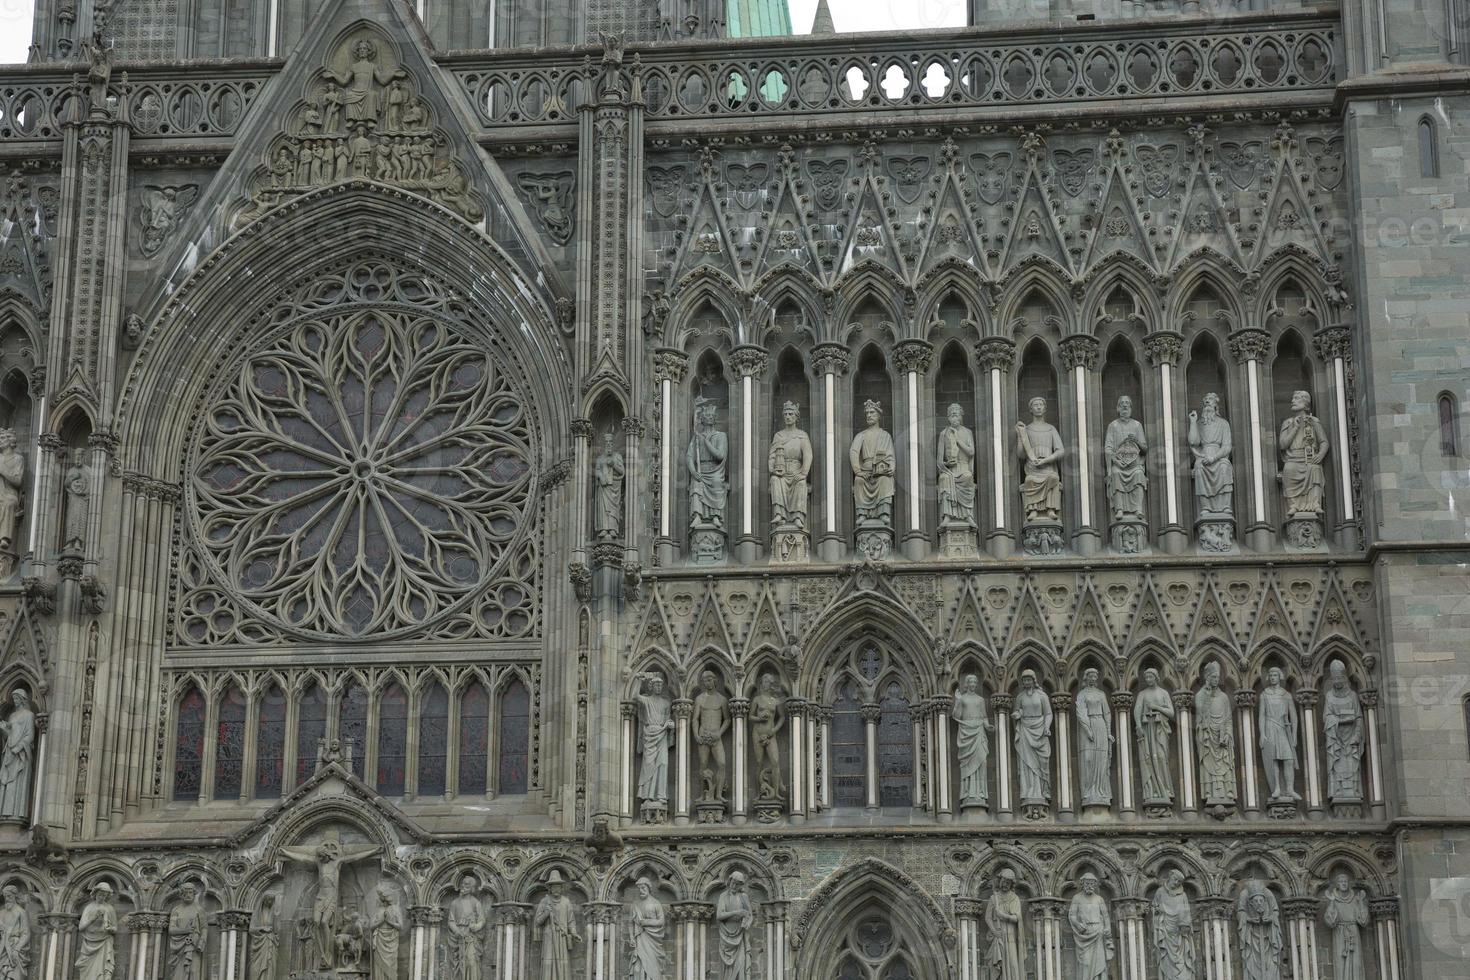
[(363, 473)]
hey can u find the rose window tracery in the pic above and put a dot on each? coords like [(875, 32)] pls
[(364, 473)]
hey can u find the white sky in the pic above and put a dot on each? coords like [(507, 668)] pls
[(15, 29)]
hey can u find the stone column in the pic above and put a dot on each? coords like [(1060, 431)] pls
[(602, 939), (1164, 348), (939, 769), (1061, 710), (424, 922), (691, 930), (969, 950), (629, 804), (913, 358), (1184, 728), (583, 535), (669, 366), (750, 362), (1133, 950), (1335, 347), (822, 719), (796, 725), (1215, 916), (1385, 915), (147, 945), (1079, 357), (1300, 915), (1245, 744), (633, 431), (234, 939), (1306, 702), (1046, 928), (872, 714), (58, 939), (739, 759), (1376, 808), (512, 945), (1249, 346), (773, 919), (683, 710), (995, 356), (818, 720), (1001, 704), (38, 767), (831, 362), (920, 718), (1122, 703)]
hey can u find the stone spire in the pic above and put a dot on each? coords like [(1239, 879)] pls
[(822, 22)]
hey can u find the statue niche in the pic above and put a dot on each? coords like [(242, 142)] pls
[(334, 922)]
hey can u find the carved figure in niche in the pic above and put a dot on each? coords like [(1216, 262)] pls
[(1124, 447), (1258, 925), (15, 935), (1153, 726), (646, 923), (331, 108), (362, 83), (1214, 474), (1303, 446), (607, 475), (12, 479), (655, 717), (708, 491), (1004, 953), (554, 925), (1033, 720), (387, 926), (767, 718), (77, 487), (1277, 723), (327, 858), (971, 743), (1092, 932), (265, 941), (790, 462), (1094, 741), (1342, 722), (872, 462), (1173, 929), (349, 942), (97, 936), (188, 933), (465, 919), (1346, 913), (397, 98), (956, 470), (733, 918), (19, 732), (1041, 449), (1214, 742), (711, 722)]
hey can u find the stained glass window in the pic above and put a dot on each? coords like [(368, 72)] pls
[(895, 750), (474, 739), (189, 746), (849, 750), (352, 725), (392, 741), (433, 741), (229, 745), (515, 739), (311, 728), (270, 744)]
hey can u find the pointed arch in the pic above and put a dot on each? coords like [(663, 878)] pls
[(868, 614), (473, 737), (1125, 270), (820, 935), (952, 278), (1205, 268), (1045, 282), (190, 715), (513, 737)]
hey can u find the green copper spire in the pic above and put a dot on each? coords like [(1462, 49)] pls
[(756, 18)]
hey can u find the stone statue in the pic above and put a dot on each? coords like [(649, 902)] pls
[(97, 936), (1214, 742), (733, 918), (1258, 925), (78, 489), (1094, 742), (1214, 476), (956, 470), (12, 479), (1005, 953), (387, 928), (1033, 720), (265, 941), (872, 462), (15, 934), (328, 858), (1124, 447), (971, 743), (348, 941), (554, 925), (19, 733), (1342, 723), (1303, 445), (1092, 932), (711, 722), (607, 475), (188, 934), (1040, 447), (790, 462), (1346, 913), (1173, 929), (767, 718), (465, 922), (655, 716), (646, 923), (1277, 722), (363, 82), (708, 488), (1153, 726)]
